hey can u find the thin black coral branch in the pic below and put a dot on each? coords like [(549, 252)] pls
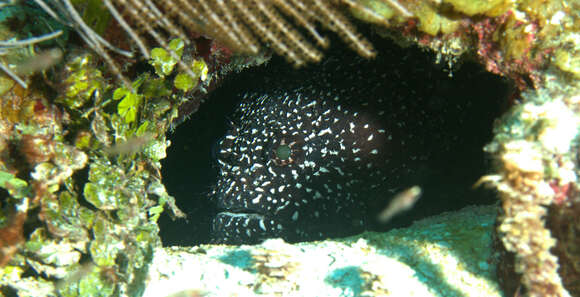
[(245, 26), (337, 22), (249, 43), (29, 41), (132, 34), (292, 8), (13, 75), (288, 27), (138, 10)]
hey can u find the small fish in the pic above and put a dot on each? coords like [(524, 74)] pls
[(401, 202), (40, 62), (131, 145)]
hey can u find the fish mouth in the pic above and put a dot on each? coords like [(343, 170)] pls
[(248, 215), (241, 212)]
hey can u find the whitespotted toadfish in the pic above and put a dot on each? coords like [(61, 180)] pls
[(317, 152)]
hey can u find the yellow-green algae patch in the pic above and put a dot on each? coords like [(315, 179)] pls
[(433, 17), (567, 58), (484, 7), (515, 38)]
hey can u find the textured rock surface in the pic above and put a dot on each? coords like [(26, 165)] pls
[(446, 255), (535, 149)]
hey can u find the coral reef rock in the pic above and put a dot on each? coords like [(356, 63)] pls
[(446, 255)]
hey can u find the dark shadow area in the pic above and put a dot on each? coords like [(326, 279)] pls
[(8, 291), (189, 171)]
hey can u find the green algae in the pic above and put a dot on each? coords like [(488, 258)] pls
[(104, 193), (17, 188), (482, 7), (129, 105), (163, 61), (83, 82)]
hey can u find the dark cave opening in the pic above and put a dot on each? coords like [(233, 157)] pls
[(190, 171)]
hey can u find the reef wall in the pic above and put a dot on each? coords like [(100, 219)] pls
[(83, 127)]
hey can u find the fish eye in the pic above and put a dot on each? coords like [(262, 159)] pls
[(283, 152), (296, 149)]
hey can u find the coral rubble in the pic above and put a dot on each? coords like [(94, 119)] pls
[(532, 145), (446, 255)]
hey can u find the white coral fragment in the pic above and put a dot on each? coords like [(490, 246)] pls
[(558, 126)]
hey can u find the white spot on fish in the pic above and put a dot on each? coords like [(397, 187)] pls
[(325, 131), (295, 216), (257, 199)]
